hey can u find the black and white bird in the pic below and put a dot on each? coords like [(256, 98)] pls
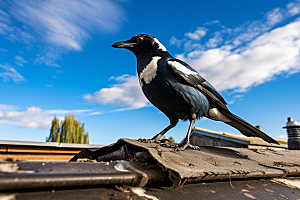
[(179, 91)]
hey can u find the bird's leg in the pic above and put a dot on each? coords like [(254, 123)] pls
[(186, 142), (156, 138)]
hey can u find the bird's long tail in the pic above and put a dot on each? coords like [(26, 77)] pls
[(246, 128)]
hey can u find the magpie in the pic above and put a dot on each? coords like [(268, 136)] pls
[(179, 91)]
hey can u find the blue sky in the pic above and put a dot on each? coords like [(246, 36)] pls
[(56, 58)]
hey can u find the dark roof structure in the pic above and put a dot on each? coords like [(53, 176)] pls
[(125, 169)]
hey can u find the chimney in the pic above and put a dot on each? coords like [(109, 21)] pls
[(293, 131)]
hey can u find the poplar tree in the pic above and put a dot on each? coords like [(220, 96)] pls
[(54, 131), (171, 139), (68, 131)]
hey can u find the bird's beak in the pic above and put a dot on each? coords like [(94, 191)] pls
[(124, 44)]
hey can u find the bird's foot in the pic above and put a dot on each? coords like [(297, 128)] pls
[(153, 140), (172, 145), (181, 148)]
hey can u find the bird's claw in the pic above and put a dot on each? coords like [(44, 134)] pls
[(181, 148), (147, 140), (152, 140), (172, 145)]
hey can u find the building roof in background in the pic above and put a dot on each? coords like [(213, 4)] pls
[(238, 138), (49, 144)]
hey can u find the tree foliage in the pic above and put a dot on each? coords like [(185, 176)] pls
[(171, 139), (68, 131)]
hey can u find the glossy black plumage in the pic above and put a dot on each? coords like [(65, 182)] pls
[(178, 90)]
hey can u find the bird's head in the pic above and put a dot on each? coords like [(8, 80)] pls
[(142, 43)]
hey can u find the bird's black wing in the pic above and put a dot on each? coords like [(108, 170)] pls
[(193, 78)]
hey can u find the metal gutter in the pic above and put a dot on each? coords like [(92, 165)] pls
[(25, 175), (222, 137), (49, 144)]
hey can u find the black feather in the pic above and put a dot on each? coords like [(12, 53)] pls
[(246, 128)]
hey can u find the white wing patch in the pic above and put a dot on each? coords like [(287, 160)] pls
[(149, 72), (178, 66), (160, 46)]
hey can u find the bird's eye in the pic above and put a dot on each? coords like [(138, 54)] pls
[(140, 39)]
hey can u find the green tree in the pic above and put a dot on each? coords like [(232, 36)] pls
[(54, 131), (171, 139), (68, 131)]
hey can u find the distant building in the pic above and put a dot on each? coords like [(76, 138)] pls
[(53, 151), (206, 137), (40, 151)]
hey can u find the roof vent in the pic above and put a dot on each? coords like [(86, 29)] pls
[(293, 131)]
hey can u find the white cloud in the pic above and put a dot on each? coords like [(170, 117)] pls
[(197, 34), (14, 33), (111, 111), (9, 73), (212, 22), (49, 56), (49, 85), (175, 41), (281, 137), (96, 113), (271, 54), (59, 111), (275, 16), (238, 96), (4, 17), (67, 23), (231, 102), (33, 117), (20, 61), (215, 40), (126, 93), (56, 26), (7, 107), (293, 8), (248, 55)]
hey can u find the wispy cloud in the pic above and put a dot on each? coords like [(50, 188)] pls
[(49, 85), (197, 34), (250, 54), (20, 61), (33, 117), (9, 73), (126, 92), (61, 24), (4, 17), (212, 22), (49, 56), (8, 107), (10, 31), (114, 110), (60, 111), (67, 23), (281, 137)]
